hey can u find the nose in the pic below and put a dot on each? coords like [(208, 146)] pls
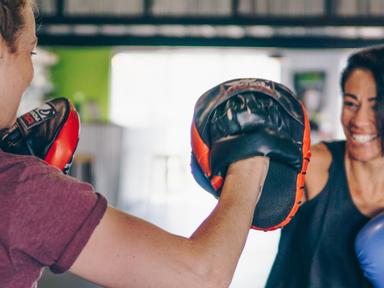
[(364, 116)]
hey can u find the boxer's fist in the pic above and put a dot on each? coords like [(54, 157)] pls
[(50, 132), (369, 247), (243, 118)]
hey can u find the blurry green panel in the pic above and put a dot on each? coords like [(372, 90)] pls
[(82, 74)]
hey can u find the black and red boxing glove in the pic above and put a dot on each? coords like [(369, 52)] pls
[(50, 132), (243, 118)]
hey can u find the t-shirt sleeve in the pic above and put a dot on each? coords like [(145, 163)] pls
[(54, 216)]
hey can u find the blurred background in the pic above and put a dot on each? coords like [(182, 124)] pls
[(134, 69)]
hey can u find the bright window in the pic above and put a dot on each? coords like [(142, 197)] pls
[(153, 95)]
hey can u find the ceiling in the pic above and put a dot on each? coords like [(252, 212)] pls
[(232, 23)]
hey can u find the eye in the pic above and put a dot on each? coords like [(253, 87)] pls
[(350, 105), (33, 53), (374, 105)]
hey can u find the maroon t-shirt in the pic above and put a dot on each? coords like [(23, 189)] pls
[(46, 218)]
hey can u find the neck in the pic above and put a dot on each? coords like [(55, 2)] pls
[(365, 175), (366, 184), (371, 167)]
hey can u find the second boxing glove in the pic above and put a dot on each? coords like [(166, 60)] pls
[(369, 247)]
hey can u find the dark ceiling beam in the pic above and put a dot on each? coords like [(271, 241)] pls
[(60, 7), (329, 8), (273, 42), (274, 21), (235, 8), (147, 7)]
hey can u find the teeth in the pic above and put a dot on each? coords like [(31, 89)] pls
[(363, 138)]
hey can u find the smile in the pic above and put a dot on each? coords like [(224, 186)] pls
[(364, 138)]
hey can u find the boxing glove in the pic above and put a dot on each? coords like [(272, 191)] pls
[(50, 132), (369, 248), (243, 118)]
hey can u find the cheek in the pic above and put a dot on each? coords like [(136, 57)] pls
[(29, 72), (345, 118), (8, 112)]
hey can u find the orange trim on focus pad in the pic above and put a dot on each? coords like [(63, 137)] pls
[(66, 142), (217, 182), (300, 180), (306, 145), (200, 150)]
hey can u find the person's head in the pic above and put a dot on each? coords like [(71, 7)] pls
[(362, 85), (17, 42)]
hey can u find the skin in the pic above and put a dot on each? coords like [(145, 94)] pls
[(363, 158), (125, 251), (206, 259), (17, 69)]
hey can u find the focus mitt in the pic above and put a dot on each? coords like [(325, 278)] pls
[(50, 132), (243, 118)]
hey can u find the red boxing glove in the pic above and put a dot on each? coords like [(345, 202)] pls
[(50, 132)]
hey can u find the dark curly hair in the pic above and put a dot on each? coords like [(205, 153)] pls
[(11, 20), (371, 59)]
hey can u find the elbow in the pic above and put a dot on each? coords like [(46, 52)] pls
[(204, 267), (218, 281), (211, 274)]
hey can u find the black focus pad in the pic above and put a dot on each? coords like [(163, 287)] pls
[(210, 100), (34, 132), (259, 143), (251, 124), (278, 196), (242, 118)]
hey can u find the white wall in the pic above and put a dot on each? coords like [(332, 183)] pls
[(330, 61), (153, 95)]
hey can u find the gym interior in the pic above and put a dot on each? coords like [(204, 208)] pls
[(134, 70)]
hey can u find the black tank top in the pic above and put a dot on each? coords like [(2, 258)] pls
[(317, 248)]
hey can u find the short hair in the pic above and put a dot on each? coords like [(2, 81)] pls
[(11, 20)]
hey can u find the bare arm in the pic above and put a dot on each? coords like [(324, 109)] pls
[(125, 251)]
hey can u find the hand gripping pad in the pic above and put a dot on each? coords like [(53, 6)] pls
[(242, 118), (50, 132)]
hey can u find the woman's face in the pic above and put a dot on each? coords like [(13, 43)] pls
[(16, 70), (358, 116)]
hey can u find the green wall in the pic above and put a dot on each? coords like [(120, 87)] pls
[(82, 75)]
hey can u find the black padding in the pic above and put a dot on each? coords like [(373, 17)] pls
[(278, 196), (257, 143), (242, 118)]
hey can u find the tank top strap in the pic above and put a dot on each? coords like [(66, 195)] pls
[(337, 189), (337, 150)]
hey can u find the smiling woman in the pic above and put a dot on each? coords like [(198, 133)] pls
[(358, 116), (344, 189), (369, 64)]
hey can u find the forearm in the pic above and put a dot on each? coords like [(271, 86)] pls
[(124, 250), (221, 237)]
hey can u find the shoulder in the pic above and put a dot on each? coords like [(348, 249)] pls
[(321, 155), (317, 172), (14, 165), (47, 207), (19, 169), (30, 177)]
